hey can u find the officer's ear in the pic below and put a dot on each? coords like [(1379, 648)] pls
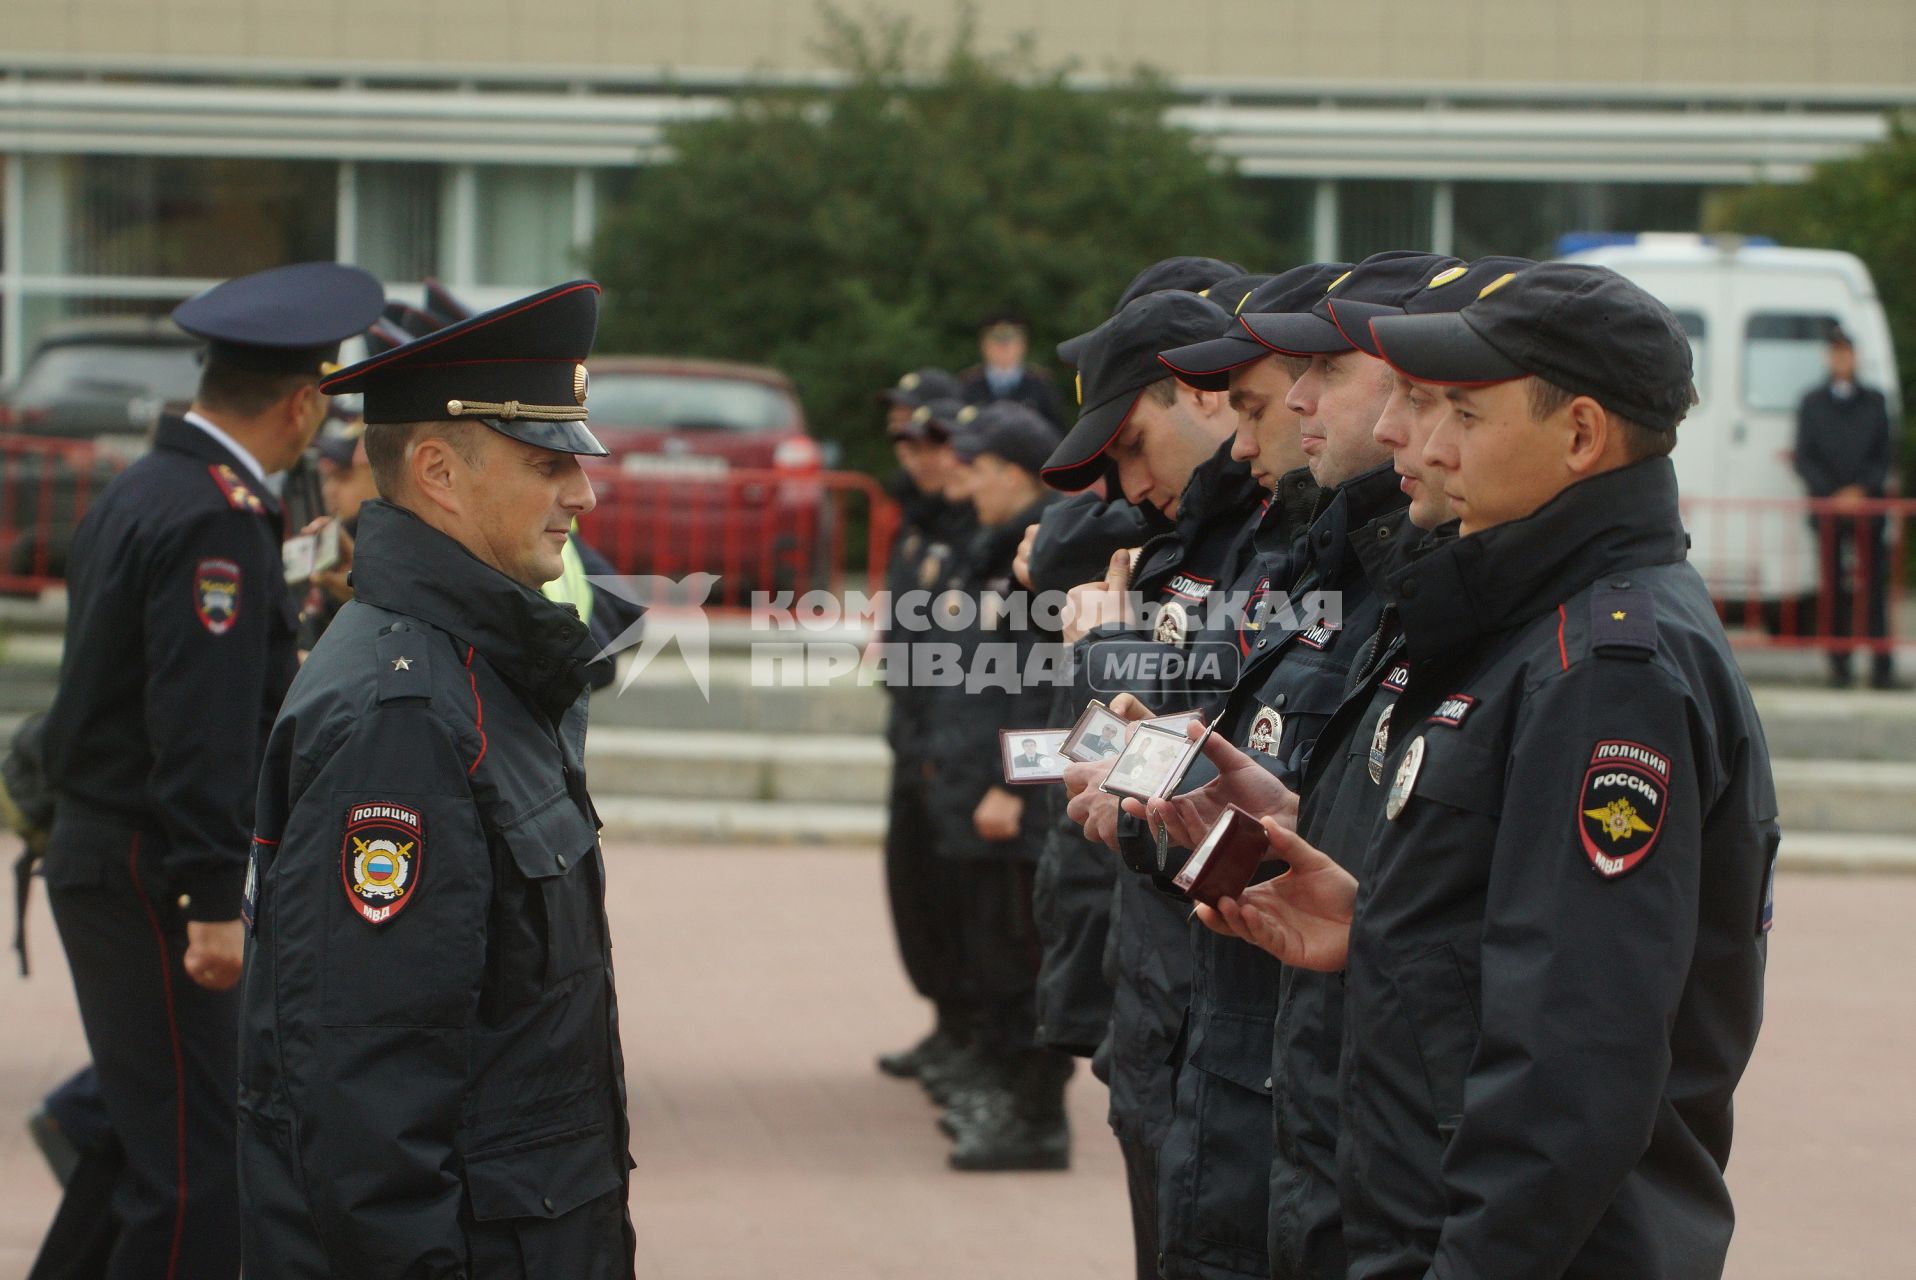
[(439, 472), (1593, 440)]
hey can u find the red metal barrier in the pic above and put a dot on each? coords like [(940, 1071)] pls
[(1823, 573), (45, 486), (758, 530)]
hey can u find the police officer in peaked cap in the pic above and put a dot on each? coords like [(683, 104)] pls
[(431, 1081), (179, 647)]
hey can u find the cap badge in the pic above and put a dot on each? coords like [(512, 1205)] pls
[(1496, 284), (1332, 287), (921, 415), (1443, 278), (579, 382), (1080, 386), (908, 383), (966, 414)]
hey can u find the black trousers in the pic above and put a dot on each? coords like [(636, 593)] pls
[(1141, 1178), (1850, 562), (1001, 949), (166, 1050), (926, 913)]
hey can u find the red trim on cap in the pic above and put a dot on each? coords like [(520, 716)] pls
[(1211, 373), (1330, 304), (1099, 452), (454, 331), (1384, 355), (1282, 351)]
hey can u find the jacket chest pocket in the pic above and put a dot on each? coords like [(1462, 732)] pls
[(552, 851)]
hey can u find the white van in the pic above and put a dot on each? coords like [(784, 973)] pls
[(1757, 317)]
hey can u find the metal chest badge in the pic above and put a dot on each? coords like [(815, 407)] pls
[(1173, 624), (1406, 780), (380, 860), (1266, 730), (1380, 745)]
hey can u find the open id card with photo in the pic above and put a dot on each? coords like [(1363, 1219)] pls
[(1032, 756), (1098, 735), (1153, 763)]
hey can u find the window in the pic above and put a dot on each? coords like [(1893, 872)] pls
[(1375, 216), (207, 218), (525, 226), (398, 222), (1527, 217), (1784, 355), (1696, 331)]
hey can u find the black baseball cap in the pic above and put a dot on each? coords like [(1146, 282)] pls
[(936, 420), (1010, 430), (519, 369), (1193, 275), (1207, 365), (283, 320), (922, 386), (1388, 278), (1449, 290), (1583, 328), (1120, 361)]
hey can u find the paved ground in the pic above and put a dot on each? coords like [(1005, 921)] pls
[(768, 1147)]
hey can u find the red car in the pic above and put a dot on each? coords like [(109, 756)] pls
[(712, 469)]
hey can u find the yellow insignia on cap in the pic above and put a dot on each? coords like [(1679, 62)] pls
[(1239, 308), (1443, 278), (328, 368), (921, 415), (1332, 288), (1080, 386), (1496, 284), (908, 383), (1204, 293), (579, 383), (966, 414)]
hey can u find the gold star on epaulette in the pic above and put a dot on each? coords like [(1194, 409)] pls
[(1619, 616)]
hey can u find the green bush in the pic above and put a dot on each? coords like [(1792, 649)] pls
[(847, 235)]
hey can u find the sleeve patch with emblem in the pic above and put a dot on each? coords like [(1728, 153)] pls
[(1621, 807), (380, 861), (216, 594)]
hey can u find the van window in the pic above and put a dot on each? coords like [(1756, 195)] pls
[(1783, 357), (1695, 330)]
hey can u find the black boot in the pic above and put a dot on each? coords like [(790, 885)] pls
[(1021, 1126), (909, 1064)]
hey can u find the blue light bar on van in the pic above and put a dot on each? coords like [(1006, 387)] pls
[(1577, 241)]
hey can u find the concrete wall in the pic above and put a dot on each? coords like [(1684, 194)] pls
[(1732, 43)]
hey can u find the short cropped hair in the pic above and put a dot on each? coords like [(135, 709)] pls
[(1639, 441), (247, 393), (389, 444)]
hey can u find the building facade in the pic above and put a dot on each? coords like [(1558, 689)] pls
[(151, 147)]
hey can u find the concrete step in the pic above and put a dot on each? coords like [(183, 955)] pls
[(810, 769), (1846, 795), (1837, 724), (1846, 852), (737, 697), (741, 821)]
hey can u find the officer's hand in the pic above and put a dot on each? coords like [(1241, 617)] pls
[(1127, 706), (1095, 604), (1240, 781), (215, 952), (998, 814), (1303, 917), (1096, 811), (1021, 563)]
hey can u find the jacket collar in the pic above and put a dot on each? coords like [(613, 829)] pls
[(403, 564), (1220, 489), (1341, 512), (180, 436), (1464, 589), (994, 546)]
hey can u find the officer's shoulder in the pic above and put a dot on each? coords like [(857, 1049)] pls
[(1656, 616)]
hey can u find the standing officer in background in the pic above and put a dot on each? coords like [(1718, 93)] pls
[(179, 647), (1003, 341), (923, 909), (431, 1082), (1843, 453)]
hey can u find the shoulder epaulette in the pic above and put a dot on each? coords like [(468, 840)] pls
[(404, 669), (234, 490), (1623, 621)]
